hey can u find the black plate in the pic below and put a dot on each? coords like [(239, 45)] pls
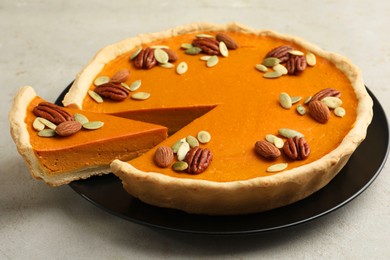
[(363, 167)]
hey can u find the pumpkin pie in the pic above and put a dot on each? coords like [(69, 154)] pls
[(63, 158)]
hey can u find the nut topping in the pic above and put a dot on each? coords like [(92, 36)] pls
[(319, 111), (327, 92), (112, 91), (163, 157), (198, 160), (296, 64), (281, 52), (210, 46), (231, 44), (121, 76), (145, 59), (68, 128), (296, 148), (266, 149), (52, 112), (172, 56)]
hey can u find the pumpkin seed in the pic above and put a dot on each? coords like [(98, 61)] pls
[(181, 68), (311, 59), (332, 102), (289, 133), (223, 49), (186, 46), (93, 125), (193, 51), (212, 61), (270, 62), (203, 35), (296, 53), (205, 57), (339, 111), (38, 125), (192, 141), (159, 47), (272, 75), (204, 137), (141, 96), (295, 99), (278, 142), (175, 147), (47, 133), (101, 80), (135, 85), (80, 118), (285, 100), (95, 96), (307, 100), (277, 167), (179, 166), (261, 67), (301, 110), (282, 69), (182, 151), (160, 55), (123, 84), (135, 53), (47, 123), (167, 65)]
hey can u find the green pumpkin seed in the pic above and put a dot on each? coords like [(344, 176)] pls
[(270, 62), (205, 57), (80, 118), (223, 49), (123, 84), (204, 137), (278, 142), (193, 51), (38, 125), (175, 147), (272, 75), (295, 99), (135, 85), (203, 35), (280, 68), (277, 167), (182, 151), (339, 111), (296, 53), (95, 96), (167, 65), (307, 100), (301, 110), (212, 61), (289, 133), (179, 166), (93, 125), (47, 133), (261, 67), (101, 80), (161, 56), (47, 123), (332, 102), (285, 100), (311, 59), (181, 68), (192, 141), (135, 53), (141, 96), (186, 46)]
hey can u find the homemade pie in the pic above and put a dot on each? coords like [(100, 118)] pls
[(244, 134)]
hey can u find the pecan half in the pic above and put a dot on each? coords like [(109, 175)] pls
[(121, 76), (209, 46), (68, 128), (296, 148), (231, 44), (198, 160), (145, 59), (172, 56), (280, 52), (266, 149), (52, 112), (327, 92), (296, 64), (319, 111), (112, 91)]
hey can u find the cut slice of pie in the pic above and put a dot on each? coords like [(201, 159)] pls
[(59, 160)]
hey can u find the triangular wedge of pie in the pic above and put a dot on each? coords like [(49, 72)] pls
[(61, 159)]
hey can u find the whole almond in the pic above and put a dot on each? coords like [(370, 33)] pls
[(319, 111), (266, 149), (68, 128), (121, 76), (231, 44), (163, 157), (172, 56)]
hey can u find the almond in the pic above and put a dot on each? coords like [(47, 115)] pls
[(163, 157), (68, 128), (121, 76), (267, 149), (230, 43), (319, 111)]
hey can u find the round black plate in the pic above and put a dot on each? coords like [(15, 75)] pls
[(363, 167)]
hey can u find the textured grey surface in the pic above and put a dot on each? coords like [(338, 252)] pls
[(46, 43)]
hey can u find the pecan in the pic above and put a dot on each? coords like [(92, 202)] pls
[(145, 59), (319, 111), (68, 128), (266, 149), (327, 92), (231, 44), (52, 112), (280, 52), (209, 46), (172, 56), (198, 160), (121, 76), (296, 64), (163, 156), (112, 91), (296, 148)]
